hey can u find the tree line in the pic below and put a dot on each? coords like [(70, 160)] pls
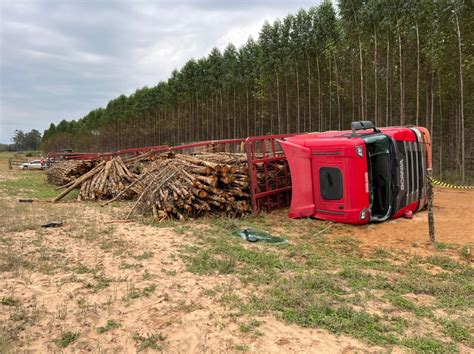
[(394, 62), (23, 141)]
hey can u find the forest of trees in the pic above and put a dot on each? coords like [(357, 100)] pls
[(395, 62)]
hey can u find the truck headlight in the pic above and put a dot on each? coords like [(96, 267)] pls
[(363, 214), (359, 151)]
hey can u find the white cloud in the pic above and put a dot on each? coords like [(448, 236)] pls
[(61, 59)]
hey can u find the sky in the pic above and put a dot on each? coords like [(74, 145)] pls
[(61, 59)]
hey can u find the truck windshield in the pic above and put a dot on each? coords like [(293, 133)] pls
[(378, 151)]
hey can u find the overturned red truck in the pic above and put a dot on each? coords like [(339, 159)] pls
[(365, 175)]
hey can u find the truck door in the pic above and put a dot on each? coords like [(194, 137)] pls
[(299, 160), (328, 183)]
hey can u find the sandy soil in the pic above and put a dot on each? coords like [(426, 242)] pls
[(454, 224), (62, 298)]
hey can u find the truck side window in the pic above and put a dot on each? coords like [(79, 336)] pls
[(330, 183)]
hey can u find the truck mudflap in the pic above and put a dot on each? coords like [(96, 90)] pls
[(299, 160)]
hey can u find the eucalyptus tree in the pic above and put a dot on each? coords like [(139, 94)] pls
[(230, 80), (329, 36), (351, 12), (248, 57), (216, 72), (270, 42), (457, 8)]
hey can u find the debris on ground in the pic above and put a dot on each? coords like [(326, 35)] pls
[(53, 224), (251, 235)]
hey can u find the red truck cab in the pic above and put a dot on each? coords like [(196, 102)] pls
[(359, 176)]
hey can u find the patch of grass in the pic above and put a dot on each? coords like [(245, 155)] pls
[(101, 282), (440, 246), (18, 217), (148, 290), (182, 229), (110, 244), (32, 184), (444, 262), (404, 304), (133, 293), (147, 275), (169, 272), (465, 252), (242, 347), (6, 240), (457, 331), (346, 244), (355, 278), (209, 292), (228, 255), (125, 265), (231, 299), (428, 345), (452, 290), (381, 253), (149, 341), (66, 338), (9, 301), (144, 255), (250, 327), (83, 269), (189, 307), (309, 302), (330, 282), (10, 261), (375, 264), (111, 325), (206, 263)]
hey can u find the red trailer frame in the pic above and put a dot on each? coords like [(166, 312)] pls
[(270, 179), (269, 174)]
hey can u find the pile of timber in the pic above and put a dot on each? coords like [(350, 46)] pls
[(187, 186), (106, 180), (137, 164), (64, 172), (170, 186)]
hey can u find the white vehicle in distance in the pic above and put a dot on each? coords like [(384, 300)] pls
[(32, 165)]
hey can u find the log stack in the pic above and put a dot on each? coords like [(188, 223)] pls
[(171, 186), (104, 181), (185, 186), (108, 182), (64, 172)]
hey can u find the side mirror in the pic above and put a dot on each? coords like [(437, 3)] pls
[(362, 125)]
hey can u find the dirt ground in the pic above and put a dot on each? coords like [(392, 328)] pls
[(61, 293), (98, 286), (454, 223)]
